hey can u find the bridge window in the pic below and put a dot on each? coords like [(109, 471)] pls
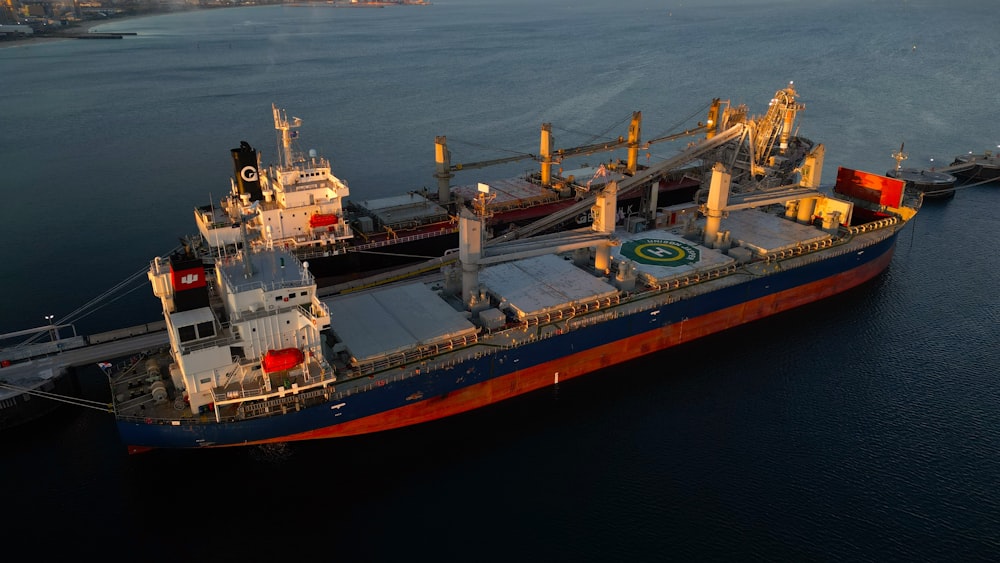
[(194, 332), (187, 333), (206, 329)]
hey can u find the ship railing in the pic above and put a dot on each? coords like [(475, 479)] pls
[(242, 393), (806, 250), (873, 226), (570, 312), (265, 408), (414, 223), (643, 299), (525, 202), (241, 316), (220, 225), (691, 279), (237, 369), (306, 279), (324, 378), (187, 347), (298, 183), (605, 316), (320, 251), (302, 186), (315, 310), (415, 355), (408, 238), (798, 250)]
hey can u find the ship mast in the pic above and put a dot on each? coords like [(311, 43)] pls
[(285, 135), (899, 156)]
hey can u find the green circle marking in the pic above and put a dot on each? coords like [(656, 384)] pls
[(659, 252)]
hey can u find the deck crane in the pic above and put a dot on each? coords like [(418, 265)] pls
[(625, 186), (549, 157), (774, 127), (730, 131)]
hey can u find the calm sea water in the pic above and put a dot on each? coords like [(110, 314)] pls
[(861, 428)]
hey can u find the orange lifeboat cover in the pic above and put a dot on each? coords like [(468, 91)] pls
[(322, 220), (277, 360)]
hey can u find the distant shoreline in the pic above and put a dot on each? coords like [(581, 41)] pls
[(86, 26), (78, 28)]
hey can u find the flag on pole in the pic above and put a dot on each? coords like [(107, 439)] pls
[(105, 366)]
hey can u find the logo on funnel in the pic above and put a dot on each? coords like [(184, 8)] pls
[(249, 174)]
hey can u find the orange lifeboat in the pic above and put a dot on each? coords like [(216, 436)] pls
[(277, 360), (322, 220)]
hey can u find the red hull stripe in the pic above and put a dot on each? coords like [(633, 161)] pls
[(542, 375)]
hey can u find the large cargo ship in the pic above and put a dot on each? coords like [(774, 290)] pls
[(257, 356), (301, 205)]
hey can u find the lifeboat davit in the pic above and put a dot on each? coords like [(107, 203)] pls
[(322, 220), (278, 360)]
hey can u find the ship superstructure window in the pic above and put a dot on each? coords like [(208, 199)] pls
[(192, 325), (206, 329), (186, 333)]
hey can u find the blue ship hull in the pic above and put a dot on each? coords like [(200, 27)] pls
[(479, 381)]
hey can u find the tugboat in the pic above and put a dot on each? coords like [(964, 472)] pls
[(933, 184), (977, 168)]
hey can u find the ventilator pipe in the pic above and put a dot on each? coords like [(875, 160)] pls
[(718, 199), (545, 150), (806, 208), (442, 166), (791, 209), (633, 142), (604, 222), (470, 249)]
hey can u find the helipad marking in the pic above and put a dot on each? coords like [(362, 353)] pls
[(660, 252)]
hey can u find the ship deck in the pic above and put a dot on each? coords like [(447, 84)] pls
[(376, 324), (271, 270), (403, 210), (510, 194), (396, 320)]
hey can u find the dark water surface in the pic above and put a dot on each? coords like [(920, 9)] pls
[(861, 428)]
